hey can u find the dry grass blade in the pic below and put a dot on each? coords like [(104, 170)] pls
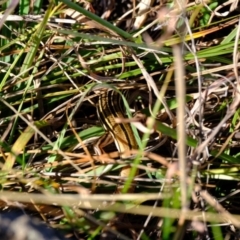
[(180, 93)]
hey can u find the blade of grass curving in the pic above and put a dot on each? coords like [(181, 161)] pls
[(99, 20), (104, 40)]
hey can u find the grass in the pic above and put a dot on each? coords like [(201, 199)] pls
[(183, 77)]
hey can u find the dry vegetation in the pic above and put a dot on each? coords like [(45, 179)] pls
[(179, 62)]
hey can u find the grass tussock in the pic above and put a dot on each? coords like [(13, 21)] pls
[(178, 61)]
